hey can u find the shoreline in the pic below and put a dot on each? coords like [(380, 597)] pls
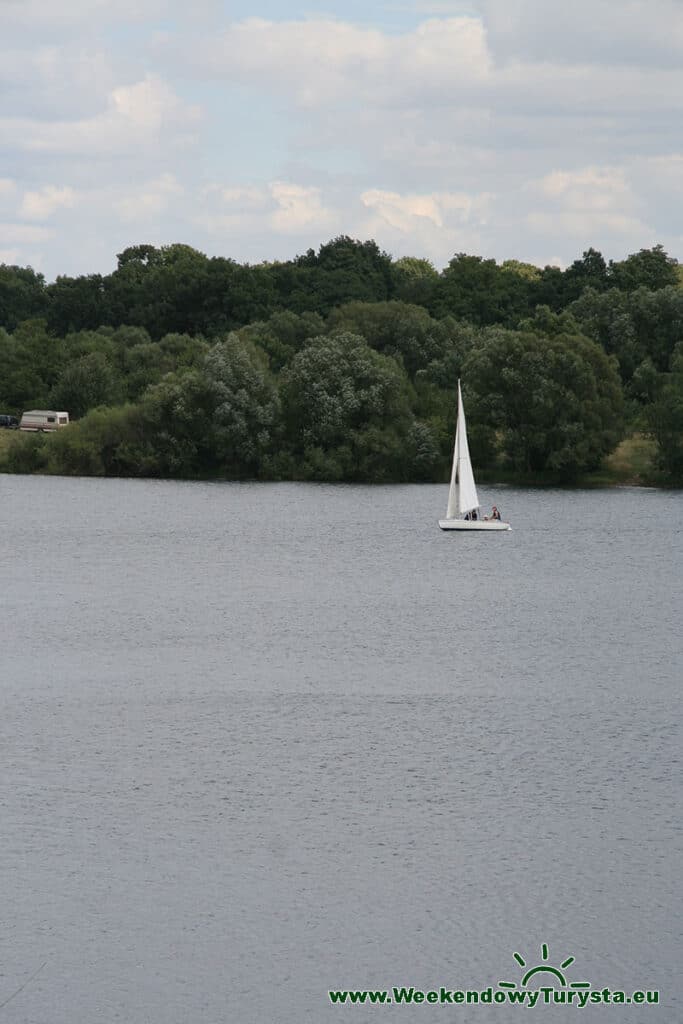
[(632, 464)]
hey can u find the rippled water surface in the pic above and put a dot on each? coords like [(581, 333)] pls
[(259, 741)]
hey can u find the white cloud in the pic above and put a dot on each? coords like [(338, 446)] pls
[(23, 233), (517, 128), (298, 207), (36, 13), (592, 188), (430, 8), (284, 207), (49, 81), (245, 198), (658, 183), (322, 61), (664, 171), (145, 114), (327, 64), (43, 203), (433, 224), (431, 110), (586, 225), (586, 201), (402, 211), (149, 199), (636, 33)]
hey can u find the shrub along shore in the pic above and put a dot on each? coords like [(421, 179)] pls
[(632, 464), (341, 365)]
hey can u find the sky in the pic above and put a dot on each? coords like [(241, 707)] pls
[(511, 129)]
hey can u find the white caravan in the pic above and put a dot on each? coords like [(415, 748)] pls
[(43, 420)]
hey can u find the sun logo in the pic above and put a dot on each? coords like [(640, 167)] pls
[(547, 969)]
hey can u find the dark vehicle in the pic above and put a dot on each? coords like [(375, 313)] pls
[(11, 422)]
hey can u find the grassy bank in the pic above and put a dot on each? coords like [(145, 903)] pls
[(6, 437), (633, 463)]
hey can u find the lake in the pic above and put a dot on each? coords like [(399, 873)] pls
[(264, 740)]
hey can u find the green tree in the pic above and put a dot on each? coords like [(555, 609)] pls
[(283, 334), (144, 366), (88, 382), (140, 256), (76, 303), (346, 411), (665, 419), (478, 290), (645, 382), (162, 290), (22, 295), (24, 453), (633, 326), (529, 271), (414, 280), (342, 270), (158, 289), (657, 318), (177, 427), (394, 328), (588, 272), (84, 343), (183, 350), (556, 288), (649, 268), (91, 446), (549, 324), (31, 361), (552, 405), (245, 405), (126, 336)]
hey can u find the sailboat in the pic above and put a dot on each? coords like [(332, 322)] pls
[(462, 496)]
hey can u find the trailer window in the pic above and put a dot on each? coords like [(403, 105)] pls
[(62, 419), (51, 419)]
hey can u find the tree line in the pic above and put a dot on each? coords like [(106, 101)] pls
[(341, 364)]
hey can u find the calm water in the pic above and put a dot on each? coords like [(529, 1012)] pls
[(259, 741)]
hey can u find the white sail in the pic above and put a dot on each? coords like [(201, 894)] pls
[(453, 494), (462, 496), (468, 498)]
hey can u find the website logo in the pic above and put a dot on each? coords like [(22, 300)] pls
[(545, 968), (542, 984)]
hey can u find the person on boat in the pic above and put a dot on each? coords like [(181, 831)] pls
[(474, 514), (495, 514)]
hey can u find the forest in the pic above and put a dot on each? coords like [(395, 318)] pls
[(341, 365)]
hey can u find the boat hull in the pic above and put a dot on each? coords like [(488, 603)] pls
[(476, 524)]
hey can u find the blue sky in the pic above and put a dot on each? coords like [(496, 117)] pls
[(527, 129)]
